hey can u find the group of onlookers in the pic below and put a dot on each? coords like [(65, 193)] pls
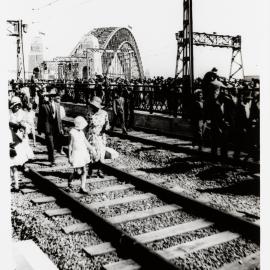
[(87, 140), (228, 118), (222, 114)]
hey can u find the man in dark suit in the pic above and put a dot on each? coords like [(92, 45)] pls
[(244, 125), (46, 125), (198, 118), (57, 124), (118, 111), (221, 122)]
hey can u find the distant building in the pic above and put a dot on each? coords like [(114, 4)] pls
[(147, 74), (35, 57)]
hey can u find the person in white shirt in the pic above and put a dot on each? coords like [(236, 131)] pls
[(29, 117)]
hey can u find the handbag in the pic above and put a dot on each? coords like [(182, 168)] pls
[(110, 153)]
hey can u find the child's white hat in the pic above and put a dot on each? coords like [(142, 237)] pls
[(80, 122)]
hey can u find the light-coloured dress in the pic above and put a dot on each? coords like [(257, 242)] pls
[(98, 123), (23, 149), (79, 154)]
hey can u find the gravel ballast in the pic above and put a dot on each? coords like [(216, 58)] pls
[(29, 221)]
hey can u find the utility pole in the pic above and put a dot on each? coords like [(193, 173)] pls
[(18, 29), (185, 56)]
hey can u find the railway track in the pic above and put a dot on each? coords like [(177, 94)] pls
[(189, 218)]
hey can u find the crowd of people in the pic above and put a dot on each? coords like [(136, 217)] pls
[(86, 141), (222, 113), (229, 116)]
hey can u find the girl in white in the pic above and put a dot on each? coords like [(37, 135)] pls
[(79, 152), (23, 149)]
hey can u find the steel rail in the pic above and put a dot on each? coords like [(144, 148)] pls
[(221, 218), (180, 149), (128, 245)]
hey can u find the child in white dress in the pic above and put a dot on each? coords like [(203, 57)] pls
[(79, 152)]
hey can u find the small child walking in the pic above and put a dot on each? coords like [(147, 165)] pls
[(79, 152)]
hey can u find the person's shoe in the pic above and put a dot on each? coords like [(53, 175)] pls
[(69, 184), (84, 191), (100, 174)]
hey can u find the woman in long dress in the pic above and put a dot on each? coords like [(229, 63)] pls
[(20, 127), (98, 123)]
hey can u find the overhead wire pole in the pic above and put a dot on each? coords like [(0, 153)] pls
[(186, 39), (18, 29), (21, 30), (191, 62), (185, 55)]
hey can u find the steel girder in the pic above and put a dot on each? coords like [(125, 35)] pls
[(214, 40), (187, 38), (114, 43)]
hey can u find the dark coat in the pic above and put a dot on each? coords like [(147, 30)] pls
[(242, 122), (222, 120), (58, 127), (45, 119), (198, 111)]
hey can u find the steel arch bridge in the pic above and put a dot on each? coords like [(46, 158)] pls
[(120, 54)]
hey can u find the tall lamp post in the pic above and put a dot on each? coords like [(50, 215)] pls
[(18, 29)]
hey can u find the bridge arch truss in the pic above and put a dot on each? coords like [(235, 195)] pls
[(120, 52)]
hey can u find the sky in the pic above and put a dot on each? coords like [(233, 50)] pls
[(154, 24)]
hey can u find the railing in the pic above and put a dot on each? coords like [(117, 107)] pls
[(146, 98), (150, 98)]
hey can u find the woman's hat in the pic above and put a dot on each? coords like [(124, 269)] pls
[(96, 102), (80, 123), (197, 91), (15, 101)]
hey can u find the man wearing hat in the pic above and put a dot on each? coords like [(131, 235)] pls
[(209, 85), (57, 125), (49, 123), (118, 111), (198, 118), (243, 124)]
